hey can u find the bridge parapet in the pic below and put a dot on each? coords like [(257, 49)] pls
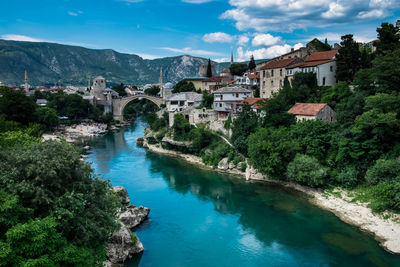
[(119, 104)]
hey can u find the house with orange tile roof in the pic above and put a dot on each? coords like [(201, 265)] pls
[(313, 111), (248, 79), (256, 104), (272, 75), (323, 64)]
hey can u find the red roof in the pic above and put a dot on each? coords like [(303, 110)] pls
[(322, 56), (226, 71), (254, 76), (214, 79), (254, 102), (278, 63), (308, 109)]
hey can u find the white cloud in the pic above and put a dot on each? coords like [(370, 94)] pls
[(188, 50), (265, 39), (218, 37), (147, 56), (265, 53), (16, 37), (72, 13), (243, 40), (221, 60), (286, 16)]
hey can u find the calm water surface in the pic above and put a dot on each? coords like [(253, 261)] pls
[(204, 218)]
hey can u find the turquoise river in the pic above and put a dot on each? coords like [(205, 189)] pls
[(204, 218)]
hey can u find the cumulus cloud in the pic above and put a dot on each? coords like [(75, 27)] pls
[(243, 40), (265, 53), (221, 60), (188, 50), (16, 37), (265, 39), (218, 37), (286, 16)]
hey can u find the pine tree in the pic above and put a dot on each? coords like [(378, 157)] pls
[(252, 63), (209, 69), (348, 59)]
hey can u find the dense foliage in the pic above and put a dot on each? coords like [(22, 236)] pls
[(50, 198), (183, 86), (154, 91), (238, 68)]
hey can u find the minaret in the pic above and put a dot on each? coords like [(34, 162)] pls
[(160, 80), (231, 58), (26, 81)]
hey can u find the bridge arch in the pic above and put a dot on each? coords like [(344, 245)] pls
[(119, 104)]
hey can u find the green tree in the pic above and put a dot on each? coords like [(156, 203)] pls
[(271, 150), (207, 100), (16, 106), (51, 180), (238, 69), (209, 69), (307, 170), (120, 89), (384, 171), (252, 63), (183, 86), (181, 127), (47, 117), (348, 59), (336, 94), (242, 127), (388, 39), (154, 91)]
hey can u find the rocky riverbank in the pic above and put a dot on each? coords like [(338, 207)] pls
[(385, 227), (124, 243)]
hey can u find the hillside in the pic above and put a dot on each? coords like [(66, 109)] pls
[(51, 62)]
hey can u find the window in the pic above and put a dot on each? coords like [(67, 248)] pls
[(323, 81), (237, 95), (280, 73), (263, 84), (272, 73), (220, 105), (263, 73), (331, 67), (280, 83), (272, 83)]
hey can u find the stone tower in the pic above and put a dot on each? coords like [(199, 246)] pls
[(98, 88), (203, 69)]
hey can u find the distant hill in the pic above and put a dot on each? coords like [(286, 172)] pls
[(51, 62)]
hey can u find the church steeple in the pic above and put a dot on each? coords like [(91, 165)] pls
[(231, 58)]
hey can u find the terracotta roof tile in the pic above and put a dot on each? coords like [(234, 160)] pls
[(254, 76), (214, 79), (278, 63), (326, 55), (308, 109), (226, 71)]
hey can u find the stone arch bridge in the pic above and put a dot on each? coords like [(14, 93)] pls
[(119, 104)]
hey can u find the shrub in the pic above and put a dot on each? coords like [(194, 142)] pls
[(307, 171), (383, 171), (348, 177), (243, 166)]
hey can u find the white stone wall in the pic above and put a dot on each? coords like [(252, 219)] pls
[(329, 73)]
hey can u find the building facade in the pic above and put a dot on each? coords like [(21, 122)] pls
[(272, 75), (227, 99), (312, 111), (183, 101)]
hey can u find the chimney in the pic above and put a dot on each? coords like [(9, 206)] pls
[(292, 50)]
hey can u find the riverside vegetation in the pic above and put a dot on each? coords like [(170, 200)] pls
[(359, 152), (54, 211)]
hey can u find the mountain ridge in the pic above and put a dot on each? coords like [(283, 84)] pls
[(48, 63)]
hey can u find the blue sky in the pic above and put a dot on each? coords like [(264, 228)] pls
[(206, 28)]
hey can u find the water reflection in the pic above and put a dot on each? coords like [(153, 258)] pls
[(204, 218), (278, 219)]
